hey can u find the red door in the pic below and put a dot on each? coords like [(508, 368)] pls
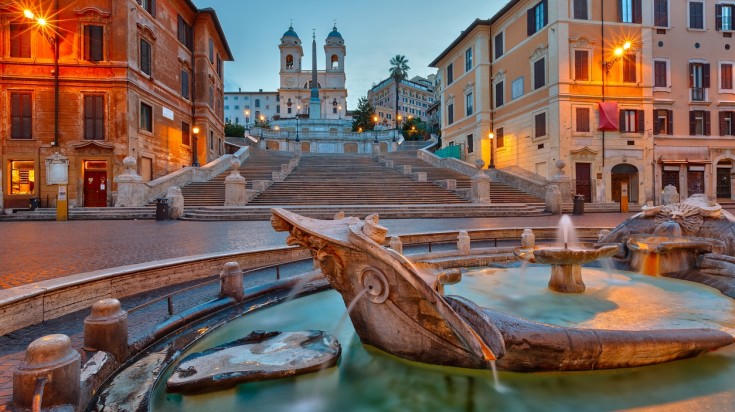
[(95, 188), (583, 181)]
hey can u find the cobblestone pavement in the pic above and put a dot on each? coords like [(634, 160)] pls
[(35, 251)]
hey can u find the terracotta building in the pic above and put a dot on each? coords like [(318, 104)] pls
[(415, 97), (631, 95), (132, 78)]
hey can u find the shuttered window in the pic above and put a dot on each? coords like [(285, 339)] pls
[(582, 119), (661, 13), (536, 18), (630, 11), (663, 122), (699, 123), (499, 138), (145, 57), (631, 121), (499, 94), (21, 117), (580, 10), (185, 134), (539, 73), (146, 117), (727, 124), (94, 43), (20, 41), (185, 84), (581, 65), (149, 6), (94, 117), (185, 33), (629, 67), (540, 125)]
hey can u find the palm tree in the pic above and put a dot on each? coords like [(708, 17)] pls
[(398, 71)]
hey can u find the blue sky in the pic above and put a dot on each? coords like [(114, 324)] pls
[(374, 31)]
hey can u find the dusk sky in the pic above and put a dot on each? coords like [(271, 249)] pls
[(374, 31)]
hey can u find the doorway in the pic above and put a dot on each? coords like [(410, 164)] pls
[(724, 171), (695, 180), (624, 174), (95, 183), (583, 178)]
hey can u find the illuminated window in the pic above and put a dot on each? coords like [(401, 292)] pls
[(22, 177)]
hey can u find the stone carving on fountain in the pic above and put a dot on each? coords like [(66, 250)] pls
[(404, 311), (693, 240)]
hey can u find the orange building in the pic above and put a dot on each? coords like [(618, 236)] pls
[(99, 80), (629, 94)]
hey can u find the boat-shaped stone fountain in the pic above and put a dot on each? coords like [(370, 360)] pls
[(400, 308)]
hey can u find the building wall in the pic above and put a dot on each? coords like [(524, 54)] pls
[(415, 98), (118, 79), (237, 102)]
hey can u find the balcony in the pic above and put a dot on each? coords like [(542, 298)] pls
[(698, 94)]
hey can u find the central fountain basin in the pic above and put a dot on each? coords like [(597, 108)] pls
[(663, 255), (370, 379)]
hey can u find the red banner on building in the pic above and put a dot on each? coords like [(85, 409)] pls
[(608, 116)]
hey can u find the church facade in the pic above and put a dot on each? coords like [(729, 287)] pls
[(296, 82)]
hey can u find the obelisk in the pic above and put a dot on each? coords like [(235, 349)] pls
[(314, 103)]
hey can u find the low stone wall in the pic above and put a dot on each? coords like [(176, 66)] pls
[(30, 304)]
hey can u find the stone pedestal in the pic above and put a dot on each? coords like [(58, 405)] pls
[(396, 244), (236, 193), (563, 182), (670, 195), (106, 329), (53, 358), (131, 190), (175, 202), (480, 189), (231, 281), (405, 169), (566, 279), (463, 242), (553, 200), (376, 149), (528, 238)]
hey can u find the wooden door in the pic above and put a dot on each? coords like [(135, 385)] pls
[(95, 188), (695, 182), (617, 181), (723, 183), (584, 184)]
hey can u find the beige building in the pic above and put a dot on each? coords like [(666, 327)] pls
[(128, 78), (246, 108), (415, 97), (608, 91)]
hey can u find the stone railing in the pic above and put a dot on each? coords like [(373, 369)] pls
[(370, 135), (158, 187)]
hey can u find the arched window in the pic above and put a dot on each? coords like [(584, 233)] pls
[(289, 62), (335, 62)]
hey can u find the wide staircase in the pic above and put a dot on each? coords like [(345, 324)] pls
[(259, 165)]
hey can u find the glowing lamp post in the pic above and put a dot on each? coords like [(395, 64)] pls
[(194, 154), (618, 53), (491, 136)]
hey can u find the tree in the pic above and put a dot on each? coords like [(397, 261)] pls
[(398, 71), (362, 117), (415, 129), (234, 130)]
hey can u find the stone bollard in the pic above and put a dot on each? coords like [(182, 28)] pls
[(670, 195), (131, 190), (553, 200), (106, 329), (528, 238), (405, 169), (480, 188), (463, 242), (231, 281), (236, 193), (396, 244), (419, 176), (175, 202), (53, 358), (339, 215), (389, 164), (376, 149)]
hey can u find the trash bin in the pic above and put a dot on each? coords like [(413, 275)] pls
[(578, 208), (35, 203), (162, 208)]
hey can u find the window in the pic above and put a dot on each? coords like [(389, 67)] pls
[(516, 88), (696, 15), (93, 43), (145, 57), (580, 10), (660, 73), (450, 73), (536, 18), (581, 65), (211, 140), (631, 121), (663, 122), (699, 123), (539, 73), (540, 125), (582, 119), (450, 113), (185, 84), (149, 6), (20, 41), (727, 123), (661, 13), (219, 66), (468, 60), (211, 96), (185, 33), (470, 144), (257, 103), (499, 45), (629, 67), (21, 115), (211, 50), (468, 104), (724, 16), (186, 133), (146, 117), (698, 80), (726, 76), (499, 95), (289, 62), (94, 117), (629, 11), (22, 177), (499, 138)]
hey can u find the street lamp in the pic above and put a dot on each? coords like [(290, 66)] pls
[(43, 28), (375, 135), (298, 109), (246, 112), (339, 111), (618, 54), (398, 120), (195, 155), (491, 136)]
